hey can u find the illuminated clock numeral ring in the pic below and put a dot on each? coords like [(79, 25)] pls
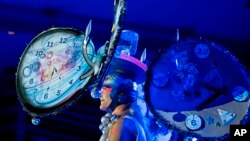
[(48, 74)]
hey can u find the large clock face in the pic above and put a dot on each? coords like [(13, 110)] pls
[(199, 88), (49, 71)]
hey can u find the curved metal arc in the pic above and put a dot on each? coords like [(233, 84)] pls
[(85, 56), (89, 73), (85, 44)]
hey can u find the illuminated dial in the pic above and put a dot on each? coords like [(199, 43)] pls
[(49, 71), (202, 81)]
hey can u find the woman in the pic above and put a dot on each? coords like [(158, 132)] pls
[(124, 120)]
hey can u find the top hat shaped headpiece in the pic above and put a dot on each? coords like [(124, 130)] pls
[(123, 66)]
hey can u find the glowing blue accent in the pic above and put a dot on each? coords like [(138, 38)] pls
[(240, 93), (188, 138), (35, 121)]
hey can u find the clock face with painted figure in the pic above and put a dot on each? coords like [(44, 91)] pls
[(48, 75), (199, 88)]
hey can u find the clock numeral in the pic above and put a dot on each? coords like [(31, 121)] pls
[(40, 54), (202, 50), (31, 66), (50, 44), (70, 82), (46, 96), (35, 91), (79, 68), (63, 40), (193, 122), (183, 54), (31, 81), (58, 92)]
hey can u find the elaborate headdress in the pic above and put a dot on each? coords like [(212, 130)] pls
[(125, 71)]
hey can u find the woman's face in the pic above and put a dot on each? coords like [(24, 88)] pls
[(105, 98)]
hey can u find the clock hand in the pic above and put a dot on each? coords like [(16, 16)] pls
[(217, 92), (54, 70)]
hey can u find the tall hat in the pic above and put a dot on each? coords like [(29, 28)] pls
[(125, 65), (125, 72), (129, 67)]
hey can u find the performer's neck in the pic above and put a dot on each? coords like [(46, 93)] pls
[(120, 110)]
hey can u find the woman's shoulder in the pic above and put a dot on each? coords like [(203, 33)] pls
[(123, 129), (127, 121)]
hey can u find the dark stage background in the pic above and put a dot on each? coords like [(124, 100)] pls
[(226, 22)]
